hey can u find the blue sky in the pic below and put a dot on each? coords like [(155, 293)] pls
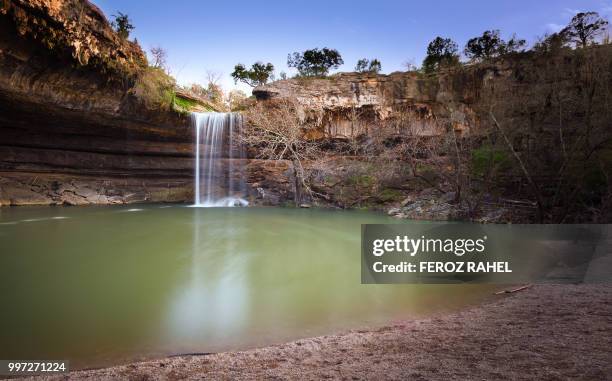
[(202, 36)]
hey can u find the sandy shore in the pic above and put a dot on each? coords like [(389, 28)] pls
[(547, 332)]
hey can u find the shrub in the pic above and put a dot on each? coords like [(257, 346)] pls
[(488, 158), (154, 88)]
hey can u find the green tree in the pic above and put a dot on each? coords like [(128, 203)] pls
[(315, 62), (257, 75), (440, 52), (551, 43), (484, 47), (364, 65), (491, 45), (584, 28), (375, 66), (122, 25), (513, 45)]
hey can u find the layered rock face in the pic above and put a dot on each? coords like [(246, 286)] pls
[(69, 131), (73, 129), (347, 104)]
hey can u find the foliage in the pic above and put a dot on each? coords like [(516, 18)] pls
[(513, 45), (491, 45), (364, 65), (315, 62), (484, 47), (154, 88), (551, 43), (184, 103), (257, 75), (584, 28), (122, 25), (440, 52), (487, 158)]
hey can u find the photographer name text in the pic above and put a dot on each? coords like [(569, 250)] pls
[(404, 245)]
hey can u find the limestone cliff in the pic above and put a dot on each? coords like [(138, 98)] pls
[(345, 104), (83, 119), (450, 140)]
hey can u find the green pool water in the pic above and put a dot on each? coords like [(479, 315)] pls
[(106, 285)]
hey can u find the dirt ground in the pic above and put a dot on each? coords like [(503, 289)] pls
[(546, 332)]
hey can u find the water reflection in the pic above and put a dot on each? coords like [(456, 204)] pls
[(103, 287), (213, 303)]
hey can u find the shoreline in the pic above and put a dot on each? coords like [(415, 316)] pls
[(543, 332)]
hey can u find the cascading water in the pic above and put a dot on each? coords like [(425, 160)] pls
[(219, 176)]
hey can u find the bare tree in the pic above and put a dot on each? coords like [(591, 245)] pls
[(409, 65), (159, 55), (534, 186), (213, 77), (277, 132)]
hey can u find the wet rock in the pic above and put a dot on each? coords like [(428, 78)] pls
[(492, 216), (70, 131), (408, 200), (394, 211), (22, 195), (69, 198), (271, 182)]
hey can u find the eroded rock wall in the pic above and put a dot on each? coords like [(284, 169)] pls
[(73, 129), (349, 104)]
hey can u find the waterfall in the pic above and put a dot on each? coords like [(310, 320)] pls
[(219, 160)]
